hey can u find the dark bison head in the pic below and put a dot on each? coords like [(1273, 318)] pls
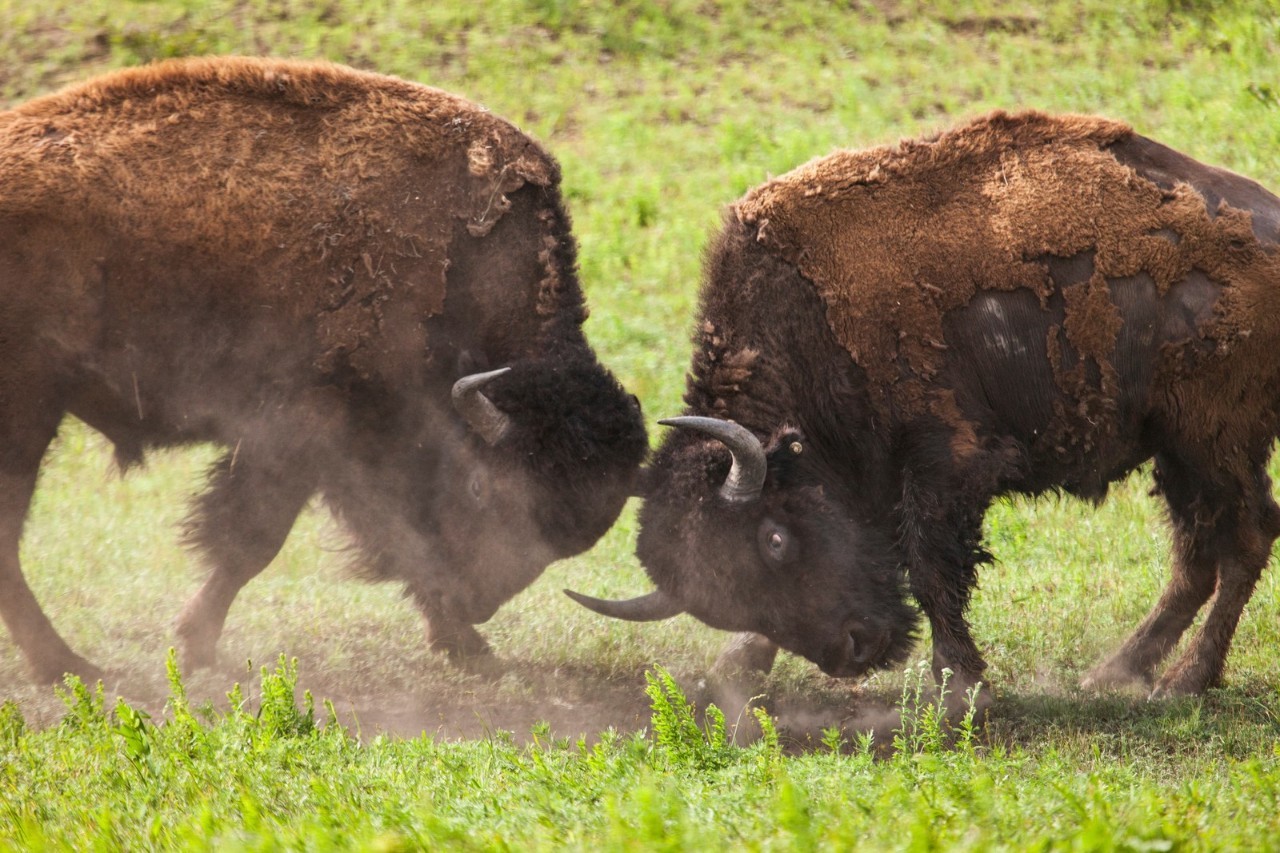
[(745, 537), (551, 454)]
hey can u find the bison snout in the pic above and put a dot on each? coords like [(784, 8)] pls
[(861, 647)]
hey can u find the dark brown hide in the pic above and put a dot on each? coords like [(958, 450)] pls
[(296, 261), (1024, 303)]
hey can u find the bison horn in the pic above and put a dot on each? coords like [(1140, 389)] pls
[(746, 477), (645, 608), (483, 416)]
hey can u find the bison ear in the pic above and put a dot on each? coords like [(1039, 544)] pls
[(471, 361), (787, 442), (785, 452)]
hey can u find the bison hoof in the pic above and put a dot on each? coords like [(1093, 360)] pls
[(460, 642), (198, 645), (961, 694), (1179, 682), (197, 657), (54, 672), (1115, 676)]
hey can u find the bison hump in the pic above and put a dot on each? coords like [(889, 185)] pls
[(894, 238), (337, 193)]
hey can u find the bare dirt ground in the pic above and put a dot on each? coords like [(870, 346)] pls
[(513, 697)]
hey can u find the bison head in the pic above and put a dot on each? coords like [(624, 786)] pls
[(748, 537), (550, 454)]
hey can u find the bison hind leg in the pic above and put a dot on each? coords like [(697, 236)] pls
[(239, 525), (1248, 530), (1222, 539), (25, 434)]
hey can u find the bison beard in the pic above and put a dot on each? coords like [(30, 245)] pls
[(298, 262), (1024, 303)]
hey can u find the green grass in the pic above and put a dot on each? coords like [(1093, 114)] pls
[(266, 775), (661, 113)]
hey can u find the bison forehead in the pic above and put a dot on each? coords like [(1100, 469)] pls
[(893, 239)]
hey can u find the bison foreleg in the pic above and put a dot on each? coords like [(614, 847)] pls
[(942, 543), (738, 675), (239, 524), (465, 646), (746, 655), (957, 664), (459, 640)]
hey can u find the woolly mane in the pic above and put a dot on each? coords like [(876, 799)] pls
[(892, 238)]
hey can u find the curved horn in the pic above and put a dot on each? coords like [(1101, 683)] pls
[(645, 608), (746, 477), (483, 416)]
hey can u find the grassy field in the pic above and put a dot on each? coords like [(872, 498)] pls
[(660, 113)]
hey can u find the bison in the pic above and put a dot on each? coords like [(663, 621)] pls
[(359, 287), (889, 339)]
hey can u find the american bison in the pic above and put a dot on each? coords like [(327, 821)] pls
[(889, 339), (358, 286)]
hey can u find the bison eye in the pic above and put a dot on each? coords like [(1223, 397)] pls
[(777, 545), (476, 488)]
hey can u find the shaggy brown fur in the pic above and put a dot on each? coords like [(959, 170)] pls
[(296, 261), (1022, 304)]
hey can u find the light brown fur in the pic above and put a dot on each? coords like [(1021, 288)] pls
[(382, 244)]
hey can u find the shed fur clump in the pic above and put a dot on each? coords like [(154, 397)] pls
[(1005, 194)]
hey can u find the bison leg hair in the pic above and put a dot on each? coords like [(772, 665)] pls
[(942, 540), (239, 524), (21, 449), (953, 647)]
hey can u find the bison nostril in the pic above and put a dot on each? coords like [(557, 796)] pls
[(866, 644), (864, 652)]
